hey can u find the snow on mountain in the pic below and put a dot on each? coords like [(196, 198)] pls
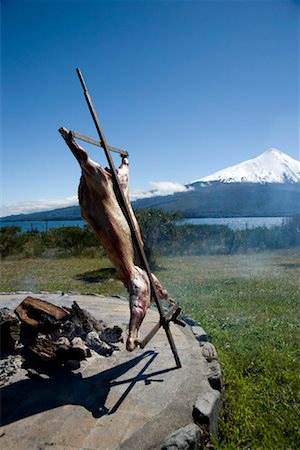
[(272, 166)]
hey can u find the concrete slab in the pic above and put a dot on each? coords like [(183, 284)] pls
[(130, 401)]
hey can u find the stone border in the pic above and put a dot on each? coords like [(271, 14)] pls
[(207, 407)]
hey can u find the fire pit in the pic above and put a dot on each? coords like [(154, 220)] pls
[(42, 336), (125, 401)]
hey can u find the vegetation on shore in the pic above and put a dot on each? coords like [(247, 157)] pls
[(248, 302), (163, 235)]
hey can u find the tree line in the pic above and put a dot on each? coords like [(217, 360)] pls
[(164, 234)]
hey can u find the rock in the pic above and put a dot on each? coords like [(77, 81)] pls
[(199, 333), (188, 320), (207, 409), (94, 342), (209, 352), (215, 375), (186, 438)]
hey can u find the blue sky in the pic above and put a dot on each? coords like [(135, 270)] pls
[(187, 88)]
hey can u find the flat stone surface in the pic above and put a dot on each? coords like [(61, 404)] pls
[(127, 401)]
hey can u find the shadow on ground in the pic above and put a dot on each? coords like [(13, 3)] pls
[(28, 397), (97, 276)]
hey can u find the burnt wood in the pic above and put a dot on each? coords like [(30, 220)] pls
[(34, 312), (48, 353), (9, 330)]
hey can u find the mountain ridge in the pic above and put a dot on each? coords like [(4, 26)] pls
[(268, 185), (216, 199), (271, 166)]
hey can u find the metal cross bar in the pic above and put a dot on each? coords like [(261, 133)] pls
[(125, 208), (89, 140)]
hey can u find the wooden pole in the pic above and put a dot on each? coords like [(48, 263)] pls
[(126, 211)]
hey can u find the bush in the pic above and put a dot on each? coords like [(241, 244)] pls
[(163, 234), (292, 230), (11, 241), (10, 231), (73, 241), (157, 228), (70, 240)]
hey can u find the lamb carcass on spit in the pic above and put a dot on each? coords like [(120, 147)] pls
[(100, 208)]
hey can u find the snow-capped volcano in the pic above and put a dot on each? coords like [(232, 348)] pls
[(272, 166)]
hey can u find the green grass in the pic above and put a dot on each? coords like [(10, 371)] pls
[(69, 274), (249, 305)]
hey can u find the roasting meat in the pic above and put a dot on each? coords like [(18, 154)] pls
[(100, 208)]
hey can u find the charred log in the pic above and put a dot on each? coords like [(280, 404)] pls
[(45, 352), (83, 319), (111, 335), (48, 337), (9, 330), (41, 314), (51, 336)]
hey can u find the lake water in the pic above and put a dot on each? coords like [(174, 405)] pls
[(42, 225), (235, 223)]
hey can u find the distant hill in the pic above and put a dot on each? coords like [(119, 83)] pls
[(69, 213), (268, 185), (206, 200), (230, 200)]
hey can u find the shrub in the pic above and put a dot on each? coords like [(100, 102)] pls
[(11, 241), (73, 240), (163, 234), (157, 228)]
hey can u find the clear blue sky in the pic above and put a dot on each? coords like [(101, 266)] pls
[(187, 88)]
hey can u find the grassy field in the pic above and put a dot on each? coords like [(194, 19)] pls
[(249, 305)]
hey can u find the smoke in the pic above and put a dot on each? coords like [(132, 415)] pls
[(160, 188)]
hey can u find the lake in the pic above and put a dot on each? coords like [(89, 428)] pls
[(43, 225), (235, 223)]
